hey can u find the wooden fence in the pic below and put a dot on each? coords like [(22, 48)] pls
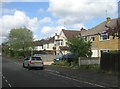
[(110, 61)]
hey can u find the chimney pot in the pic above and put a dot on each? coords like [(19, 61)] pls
[(108, 19)]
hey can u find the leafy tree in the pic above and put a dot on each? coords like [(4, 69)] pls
[(20, 39), (5, 48), (79, 47), (114, 31)]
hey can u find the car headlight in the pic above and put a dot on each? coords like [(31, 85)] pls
[(57, 59)]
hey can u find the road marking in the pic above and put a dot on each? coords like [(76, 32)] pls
[(52, 70), (77, 80), (9, 85), (3, 77), (6, 81)]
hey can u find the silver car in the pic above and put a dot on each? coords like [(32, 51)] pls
[(34, 61)]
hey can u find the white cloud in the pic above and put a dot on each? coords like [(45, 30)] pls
[(25, 0), (40, 11), (82, 7), (48, 31), (80, 11), (8, 11), (46, 20), (78, 26), (35, 37), (18, 19)]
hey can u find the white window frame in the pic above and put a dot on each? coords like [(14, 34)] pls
[(102, 39), (85, 38), (92, 39)]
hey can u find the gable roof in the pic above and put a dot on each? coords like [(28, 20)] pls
[(39, 42), (64, 48), (50, 40), (101, 27), (70, 33), (44, 41)]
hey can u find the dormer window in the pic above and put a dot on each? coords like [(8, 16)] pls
[(104, 36)]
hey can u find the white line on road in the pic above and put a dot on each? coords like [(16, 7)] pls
[(3, 77), (6, 81), (9, 85), (75, 79), (52, 70)]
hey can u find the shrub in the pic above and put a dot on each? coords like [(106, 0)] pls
[(61, 63), (74, 64)]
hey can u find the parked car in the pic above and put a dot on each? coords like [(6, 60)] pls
[(68, 57), (37, 54), (33, 62), (58, 58)]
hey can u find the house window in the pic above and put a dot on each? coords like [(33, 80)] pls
[(55, 44), (58, 43), (42, 46), (104, 36), (47, 45), (85, 38), (61, 42), (92, 38)]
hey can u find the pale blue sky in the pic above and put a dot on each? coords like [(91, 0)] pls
[(47, 18)]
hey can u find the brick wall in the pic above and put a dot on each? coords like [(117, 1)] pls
[(110, 44)]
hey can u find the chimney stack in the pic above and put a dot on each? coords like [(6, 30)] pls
[(82, 29), (108, 19), (55, 34)]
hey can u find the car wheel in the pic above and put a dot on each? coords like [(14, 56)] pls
[(23, 65), (42, 68), (29, 67)]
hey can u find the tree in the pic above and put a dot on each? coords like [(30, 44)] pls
[(20, 39), (114, 31), (79, 47), (5, 48)]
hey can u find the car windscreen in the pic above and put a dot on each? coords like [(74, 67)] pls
[(36, 58)]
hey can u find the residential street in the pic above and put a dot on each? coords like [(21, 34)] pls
[(14, 75)]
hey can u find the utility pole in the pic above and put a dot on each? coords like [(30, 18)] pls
[(64, 24), (106, 13)]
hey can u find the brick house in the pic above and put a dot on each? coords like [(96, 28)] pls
[(101, 41)]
